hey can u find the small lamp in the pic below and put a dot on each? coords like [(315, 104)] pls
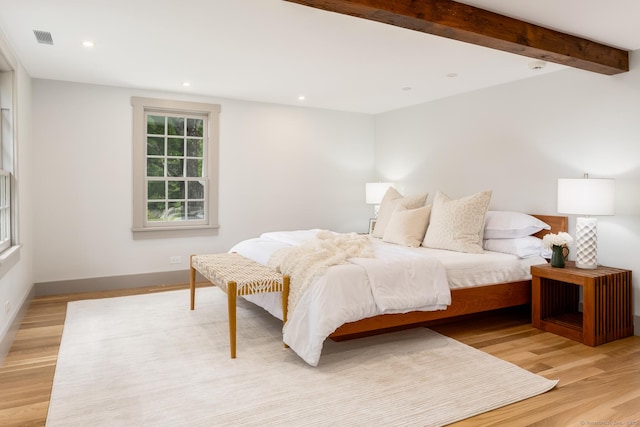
[(374, 192), (586, 197)]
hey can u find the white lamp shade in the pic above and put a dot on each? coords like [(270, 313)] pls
[(374, 192), (586, 196)]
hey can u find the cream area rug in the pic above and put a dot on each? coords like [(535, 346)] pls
[(147, 360)]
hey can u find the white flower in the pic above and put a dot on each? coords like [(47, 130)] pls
[(560, 239)]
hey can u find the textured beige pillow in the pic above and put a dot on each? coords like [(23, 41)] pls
[(391, 200), (387, 206), (457, 224), (407, 226)]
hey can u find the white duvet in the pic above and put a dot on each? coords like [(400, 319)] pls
[(395, 280)]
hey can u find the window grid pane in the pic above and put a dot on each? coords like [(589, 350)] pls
[(5, 208), (176, 146)]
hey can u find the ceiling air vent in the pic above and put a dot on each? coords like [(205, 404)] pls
[(43, 37)]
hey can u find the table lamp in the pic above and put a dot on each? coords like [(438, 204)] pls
[(586, 197), (374, 192)]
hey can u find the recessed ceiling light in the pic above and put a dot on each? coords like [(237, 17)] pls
[(88, 43), (452, 75), (186, 84), (301, 98)]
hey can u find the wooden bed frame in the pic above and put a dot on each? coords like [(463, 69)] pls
[(464, 301)]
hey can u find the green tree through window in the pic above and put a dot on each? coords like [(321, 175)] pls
[(175, 155)]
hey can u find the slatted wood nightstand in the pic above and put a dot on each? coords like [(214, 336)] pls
[(607, 312)]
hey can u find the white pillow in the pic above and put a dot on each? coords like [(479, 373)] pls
[(523, 247), (407, 226), (510, 225), (391, 200), (457, 224)]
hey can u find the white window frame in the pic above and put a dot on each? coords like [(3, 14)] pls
[(210, 113)]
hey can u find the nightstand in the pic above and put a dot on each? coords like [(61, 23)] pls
[(606, 302)]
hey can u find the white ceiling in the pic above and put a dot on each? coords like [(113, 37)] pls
[(274, 51)]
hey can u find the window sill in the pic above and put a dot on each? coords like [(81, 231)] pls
[(170, 232), (8, 259)]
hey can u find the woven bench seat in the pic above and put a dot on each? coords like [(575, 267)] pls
[(237, 275)]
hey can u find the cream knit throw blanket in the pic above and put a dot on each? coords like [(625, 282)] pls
[(312, 258)]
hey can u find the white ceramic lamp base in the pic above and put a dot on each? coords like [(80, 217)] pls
[(586, 243)]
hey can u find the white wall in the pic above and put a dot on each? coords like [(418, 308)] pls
[(280, 168), (518, 139)]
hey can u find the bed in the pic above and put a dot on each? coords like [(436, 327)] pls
[(329, 309), (463, 300)]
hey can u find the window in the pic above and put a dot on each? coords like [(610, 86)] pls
[(175, 165), (7, 213)]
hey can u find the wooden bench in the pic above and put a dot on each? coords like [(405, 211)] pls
[(236, 276)]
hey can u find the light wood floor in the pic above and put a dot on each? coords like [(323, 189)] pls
[(598, 386)]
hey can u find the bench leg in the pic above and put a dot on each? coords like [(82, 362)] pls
[(192, 284), (231, 302)]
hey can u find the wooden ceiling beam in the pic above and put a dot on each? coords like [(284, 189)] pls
[(458, 21)]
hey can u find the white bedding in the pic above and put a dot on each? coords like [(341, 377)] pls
[(345, 292)]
